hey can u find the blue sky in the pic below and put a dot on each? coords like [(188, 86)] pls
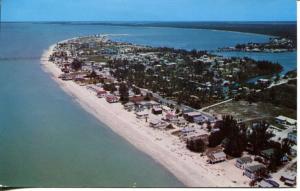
[(149, 10)]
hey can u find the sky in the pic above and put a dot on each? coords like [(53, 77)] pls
[(149, 10)]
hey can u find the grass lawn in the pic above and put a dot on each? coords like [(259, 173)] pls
[(244, 111)]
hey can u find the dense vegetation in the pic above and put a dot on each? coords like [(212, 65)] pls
[(196, 145), (231, 135), (283, 95), (186, 81)]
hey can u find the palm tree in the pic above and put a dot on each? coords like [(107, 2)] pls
[(123, 89), (259, 136)]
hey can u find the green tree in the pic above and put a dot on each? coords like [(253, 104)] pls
[(275, 160), (76, 64), (196, 145), (236, 134), (259, 136), (124, 95)]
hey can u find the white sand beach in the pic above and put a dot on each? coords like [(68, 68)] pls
[(190, 168)]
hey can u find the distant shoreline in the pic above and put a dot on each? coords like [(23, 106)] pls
[(287, 29)]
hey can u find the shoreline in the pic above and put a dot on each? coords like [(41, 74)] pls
[(190, 168)]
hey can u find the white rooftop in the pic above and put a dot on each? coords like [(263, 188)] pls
[(219, 154), (287, 119)]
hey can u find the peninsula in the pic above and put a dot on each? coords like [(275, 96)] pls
[(155, 98)]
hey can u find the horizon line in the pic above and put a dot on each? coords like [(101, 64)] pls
[(124, 21)]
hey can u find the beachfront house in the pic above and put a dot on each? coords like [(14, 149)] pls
[(216, 156), (147, 104), (129, 106), (254, 172), (156, 123), (80, 78), (142, 115), (243, 162), (157, 111), (112, 99), (101, 94), (66, 77), (171, 117), (192, 116)]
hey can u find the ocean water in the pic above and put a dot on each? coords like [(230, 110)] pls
[(48, 140)]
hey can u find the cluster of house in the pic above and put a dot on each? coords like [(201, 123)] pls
[(274, 45), (159, 115), (258, 171), (288, 131), (101, 93)]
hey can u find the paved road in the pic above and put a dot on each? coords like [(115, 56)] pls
[(216, 104)]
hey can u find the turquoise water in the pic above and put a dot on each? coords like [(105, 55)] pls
[(47, 139)]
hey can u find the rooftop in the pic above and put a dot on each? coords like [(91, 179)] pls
[(255, 168), (244, 160), (193, 114), (220, 154)]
